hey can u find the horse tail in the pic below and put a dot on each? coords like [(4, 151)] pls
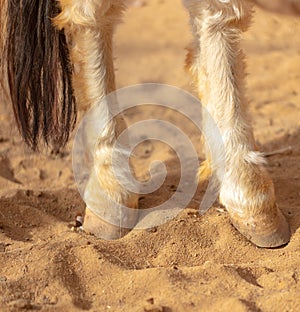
[(37, 64)]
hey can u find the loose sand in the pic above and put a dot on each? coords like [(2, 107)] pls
[(192, 263)]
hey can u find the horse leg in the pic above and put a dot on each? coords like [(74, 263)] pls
[(216, 61), (89, 27)]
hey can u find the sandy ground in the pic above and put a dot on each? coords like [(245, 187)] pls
[(192, 263)]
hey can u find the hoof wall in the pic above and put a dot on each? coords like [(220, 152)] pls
[(267, 231), (101, 229)]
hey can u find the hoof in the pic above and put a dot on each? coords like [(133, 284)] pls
[(100, 228), (105, 217), (264, 230)]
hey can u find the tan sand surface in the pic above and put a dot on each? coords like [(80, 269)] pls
[(192, 263)]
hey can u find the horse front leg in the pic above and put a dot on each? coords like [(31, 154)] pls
[(216, 60), (89, 26)]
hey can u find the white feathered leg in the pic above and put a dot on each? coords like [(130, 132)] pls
[(216, 61), (89, 26)]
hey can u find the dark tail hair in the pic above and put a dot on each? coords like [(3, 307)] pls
[(37, 63)]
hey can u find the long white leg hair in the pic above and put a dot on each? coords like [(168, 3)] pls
[(89, 26), (216, 61)]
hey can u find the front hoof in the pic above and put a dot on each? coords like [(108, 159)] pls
[(268, 230), (101, 229), (111, 212)]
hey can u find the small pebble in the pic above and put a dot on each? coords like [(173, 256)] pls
[(78, 221), (150, 300)]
